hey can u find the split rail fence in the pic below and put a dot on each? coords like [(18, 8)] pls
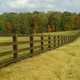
[(46, 42)]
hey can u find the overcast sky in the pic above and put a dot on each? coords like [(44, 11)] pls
[(39, 5)]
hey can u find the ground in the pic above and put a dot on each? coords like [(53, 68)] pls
[(59, 64)]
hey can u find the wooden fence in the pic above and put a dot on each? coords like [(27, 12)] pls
[(47, 42)]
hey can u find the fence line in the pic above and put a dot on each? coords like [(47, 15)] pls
[(52, 42)]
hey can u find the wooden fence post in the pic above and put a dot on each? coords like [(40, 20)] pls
[(31, 45), (70, 38), (49, 41), (15, 47), (64, 40), (42, 42), (54, 39), (74, 37), (59, 42)]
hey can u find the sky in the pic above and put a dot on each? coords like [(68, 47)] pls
[(39, 5)]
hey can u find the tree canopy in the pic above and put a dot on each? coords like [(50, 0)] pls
[(38, 22)]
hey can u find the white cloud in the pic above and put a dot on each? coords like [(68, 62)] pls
[(40, 5), (16, 3)]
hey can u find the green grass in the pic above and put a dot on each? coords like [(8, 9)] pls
[(9, 39), (63, 33)]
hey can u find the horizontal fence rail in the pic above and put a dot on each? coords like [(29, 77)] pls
[(34, 44)]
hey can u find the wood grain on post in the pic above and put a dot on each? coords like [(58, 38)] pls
[(54, 39), (49, 41), (64, 39), (58, 41), (15, 47), (42, 42), (31, 45), (61, 40)]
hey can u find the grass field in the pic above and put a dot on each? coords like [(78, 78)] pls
[(63, 33), (60, 64)]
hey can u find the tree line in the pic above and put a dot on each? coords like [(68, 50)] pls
[(38, 22)]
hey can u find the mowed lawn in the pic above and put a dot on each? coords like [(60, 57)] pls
[(60, 64)]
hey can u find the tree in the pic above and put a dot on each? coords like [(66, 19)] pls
[(38, 22), (42, 22), (49, 28), (55, 21), (35, 24), (11, 22), (67, 22), (77, 21), (25, 23), (2, 27)]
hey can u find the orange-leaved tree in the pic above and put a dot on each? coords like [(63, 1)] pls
[(49, 28), (35, 23)]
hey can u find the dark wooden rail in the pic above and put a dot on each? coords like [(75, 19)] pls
[(47, 42)]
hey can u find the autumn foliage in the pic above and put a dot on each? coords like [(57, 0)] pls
[(39, 22), (49, 28)]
